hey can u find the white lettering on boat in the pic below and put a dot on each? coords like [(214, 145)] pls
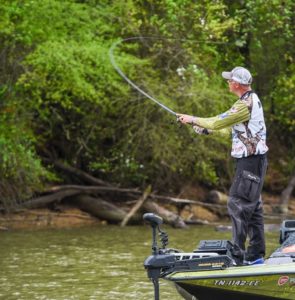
[(237, 282)]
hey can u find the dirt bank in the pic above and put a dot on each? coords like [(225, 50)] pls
[(68, 217)]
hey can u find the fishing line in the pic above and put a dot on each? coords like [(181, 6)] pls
[(116, 67), (121, 73)]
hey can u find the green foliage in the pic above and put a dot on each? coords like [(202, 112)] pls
[(273, 57), (284, 95), (21, 171), (69, 103)]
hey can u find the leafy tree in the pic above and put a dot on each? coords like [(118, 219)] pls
[(266, 36), (62, 99)]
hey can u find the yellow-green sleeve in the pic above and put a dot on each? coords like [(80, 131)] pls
[(238, 113), (225, 132)]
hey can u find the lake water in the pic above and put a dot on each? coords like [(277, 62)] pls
[(97, 263)]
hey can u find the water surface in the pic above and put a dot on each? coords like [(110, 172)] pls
[(103, 262)]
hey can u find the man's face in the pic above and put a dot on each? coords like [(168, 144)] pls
[(233, 85)]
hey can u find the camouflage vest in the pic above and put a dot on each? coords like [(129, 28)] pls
[(249, 138)]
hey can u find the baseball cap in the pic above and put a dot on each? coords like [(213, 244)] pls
[(238, 74)]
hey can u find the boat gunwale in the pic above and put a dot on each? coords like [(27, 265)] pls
[(285, 271)]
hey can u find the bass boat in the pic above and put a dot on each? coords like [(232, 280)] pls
[(210, 272)]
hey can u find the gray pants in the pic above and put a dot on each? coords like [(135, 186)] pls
[(245, 207)]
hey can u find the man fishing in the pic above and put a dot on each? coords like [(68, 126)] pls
[(245, 120)]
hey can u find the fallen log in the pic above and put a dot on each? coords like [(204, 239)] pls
[(130, 192), (217, 197), (57, 193), (102, 186), (176, 201), (102, 209), (47, 199), (167, 215), (137, 206), (107, 211), (93, 189)]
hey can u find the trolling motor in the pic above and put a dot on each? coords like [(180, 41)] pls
[(210, 255), (159, 261)]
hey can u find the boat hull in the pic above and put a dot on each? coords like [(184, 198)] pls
[(259, 282), (189, 292)]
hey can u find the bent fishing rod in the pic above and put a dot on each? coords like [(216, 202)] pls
[(116, 67)]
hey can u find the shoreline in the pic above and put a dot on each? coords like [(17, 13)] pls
[(44, 218), (70, 217)]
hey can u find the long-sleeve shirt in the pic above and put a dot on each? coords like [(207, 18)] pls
[(245, 120)]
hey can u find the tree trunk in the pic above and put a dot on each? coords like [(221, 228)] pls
[(79, 173)]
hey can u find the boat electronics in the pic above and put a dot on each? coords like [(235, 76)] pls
[(217, 246), (287, 227)]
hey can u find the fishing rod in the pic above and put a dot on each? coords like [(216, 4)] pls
[(116, 67)]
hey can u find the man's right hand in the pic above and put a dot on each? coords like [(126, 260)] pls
[(185, 119)]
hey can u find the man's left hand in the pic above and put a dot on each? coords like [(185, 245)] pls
[(200, 130)]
